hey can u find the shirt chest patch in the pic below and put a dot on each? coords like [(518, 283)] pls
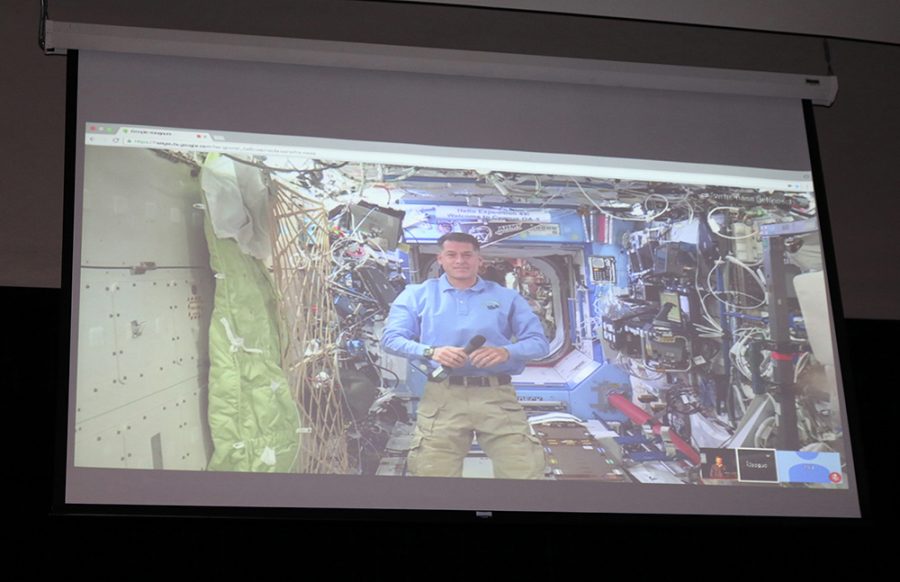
[(491, 304)]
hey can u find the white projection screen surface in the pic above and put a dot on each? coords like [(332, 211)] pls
[(250, 240)]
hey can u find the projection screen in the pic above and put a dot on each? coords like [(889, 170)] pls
[(250, 238)]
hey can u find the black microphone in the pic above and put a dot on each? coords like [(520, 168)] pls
[(440, 373)]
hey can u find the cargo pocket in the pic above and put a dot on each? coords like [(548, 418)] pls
[(539, 456), (515, 416), (412, 455), (426, 416)]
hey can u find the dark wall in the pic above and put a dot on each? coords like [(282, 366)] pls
[(857, 135)]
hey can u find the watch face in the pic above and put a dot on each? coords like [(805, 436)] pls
[(429, 352)]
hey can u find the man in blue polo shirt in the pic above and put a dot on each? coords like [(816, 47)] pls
[(436, 320)]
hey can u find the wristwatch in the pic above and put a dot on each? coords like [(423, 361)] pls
[(429, 352)]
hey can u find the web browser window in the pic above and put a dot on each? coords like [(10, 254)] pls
[(252, 310)]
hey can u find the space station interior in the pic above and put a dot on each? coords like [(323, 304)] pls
[(230, 308)]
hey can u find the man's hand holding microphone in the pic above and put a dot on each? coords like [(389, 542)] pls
[(453, 357)]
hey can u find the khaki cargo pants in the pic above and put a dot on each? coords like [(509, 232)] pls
[(447, 415)]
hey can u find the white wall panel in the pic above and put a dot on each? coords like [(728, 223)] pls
[(142, 363), (124, 437), (100, 447), (96, 343), (152, 201)]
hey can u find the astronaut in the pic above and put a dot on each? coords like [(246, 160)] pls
[(436, 320)]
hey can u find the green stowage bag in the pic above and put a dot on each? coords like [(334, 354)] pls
[(253, 419)]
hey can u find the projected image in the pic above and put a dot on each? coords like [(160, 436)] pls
[(362, 313)]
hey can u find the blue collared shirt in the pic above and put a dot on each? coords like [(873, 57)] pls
[(437, 314)]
